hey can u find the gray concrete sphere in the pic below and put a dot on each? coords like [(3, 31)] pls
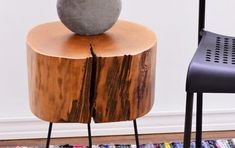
[(89, 17)]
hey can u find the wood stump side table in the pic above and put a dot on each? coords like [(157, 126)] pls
[(108, 77)]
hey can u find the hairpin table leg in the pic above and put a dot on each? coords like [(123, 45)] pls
[(136, 134), (89, 135), (49, 135)]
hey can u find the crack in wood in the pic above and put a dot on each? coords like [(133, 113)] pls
[(93, 82)]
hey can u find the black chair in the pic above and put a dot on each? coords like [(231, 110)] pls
[(212, 70)]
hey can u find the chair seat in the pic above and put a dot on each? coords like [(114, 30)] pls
[(212, 68)]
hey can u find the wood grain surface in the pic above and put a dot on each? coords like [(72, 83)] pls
[(124, 87), (59, 88), (109, 77)]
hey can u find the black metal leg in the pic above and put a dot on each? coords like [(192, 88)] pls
[(89, 135), (136, 134), (188, 120), (199, 120), (49, 135)]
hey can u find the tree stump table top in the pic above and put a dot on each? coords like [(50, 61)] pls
[(108, 77)]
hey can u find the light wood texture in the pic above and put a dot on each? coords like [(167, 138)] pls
[(112, 75), (59, 71), (144, 139), (55, 40), (125, 38)]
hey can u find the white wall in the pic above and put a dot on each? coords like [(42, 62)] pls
[(175, 23)]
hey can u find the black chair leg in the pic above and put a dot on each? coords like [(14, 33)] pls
[(89, 135), (136, 134), (188, 120), (199, 120), (49, 135)]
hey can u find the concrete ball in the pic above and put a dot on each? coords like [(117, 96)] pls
[(89, 17)]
